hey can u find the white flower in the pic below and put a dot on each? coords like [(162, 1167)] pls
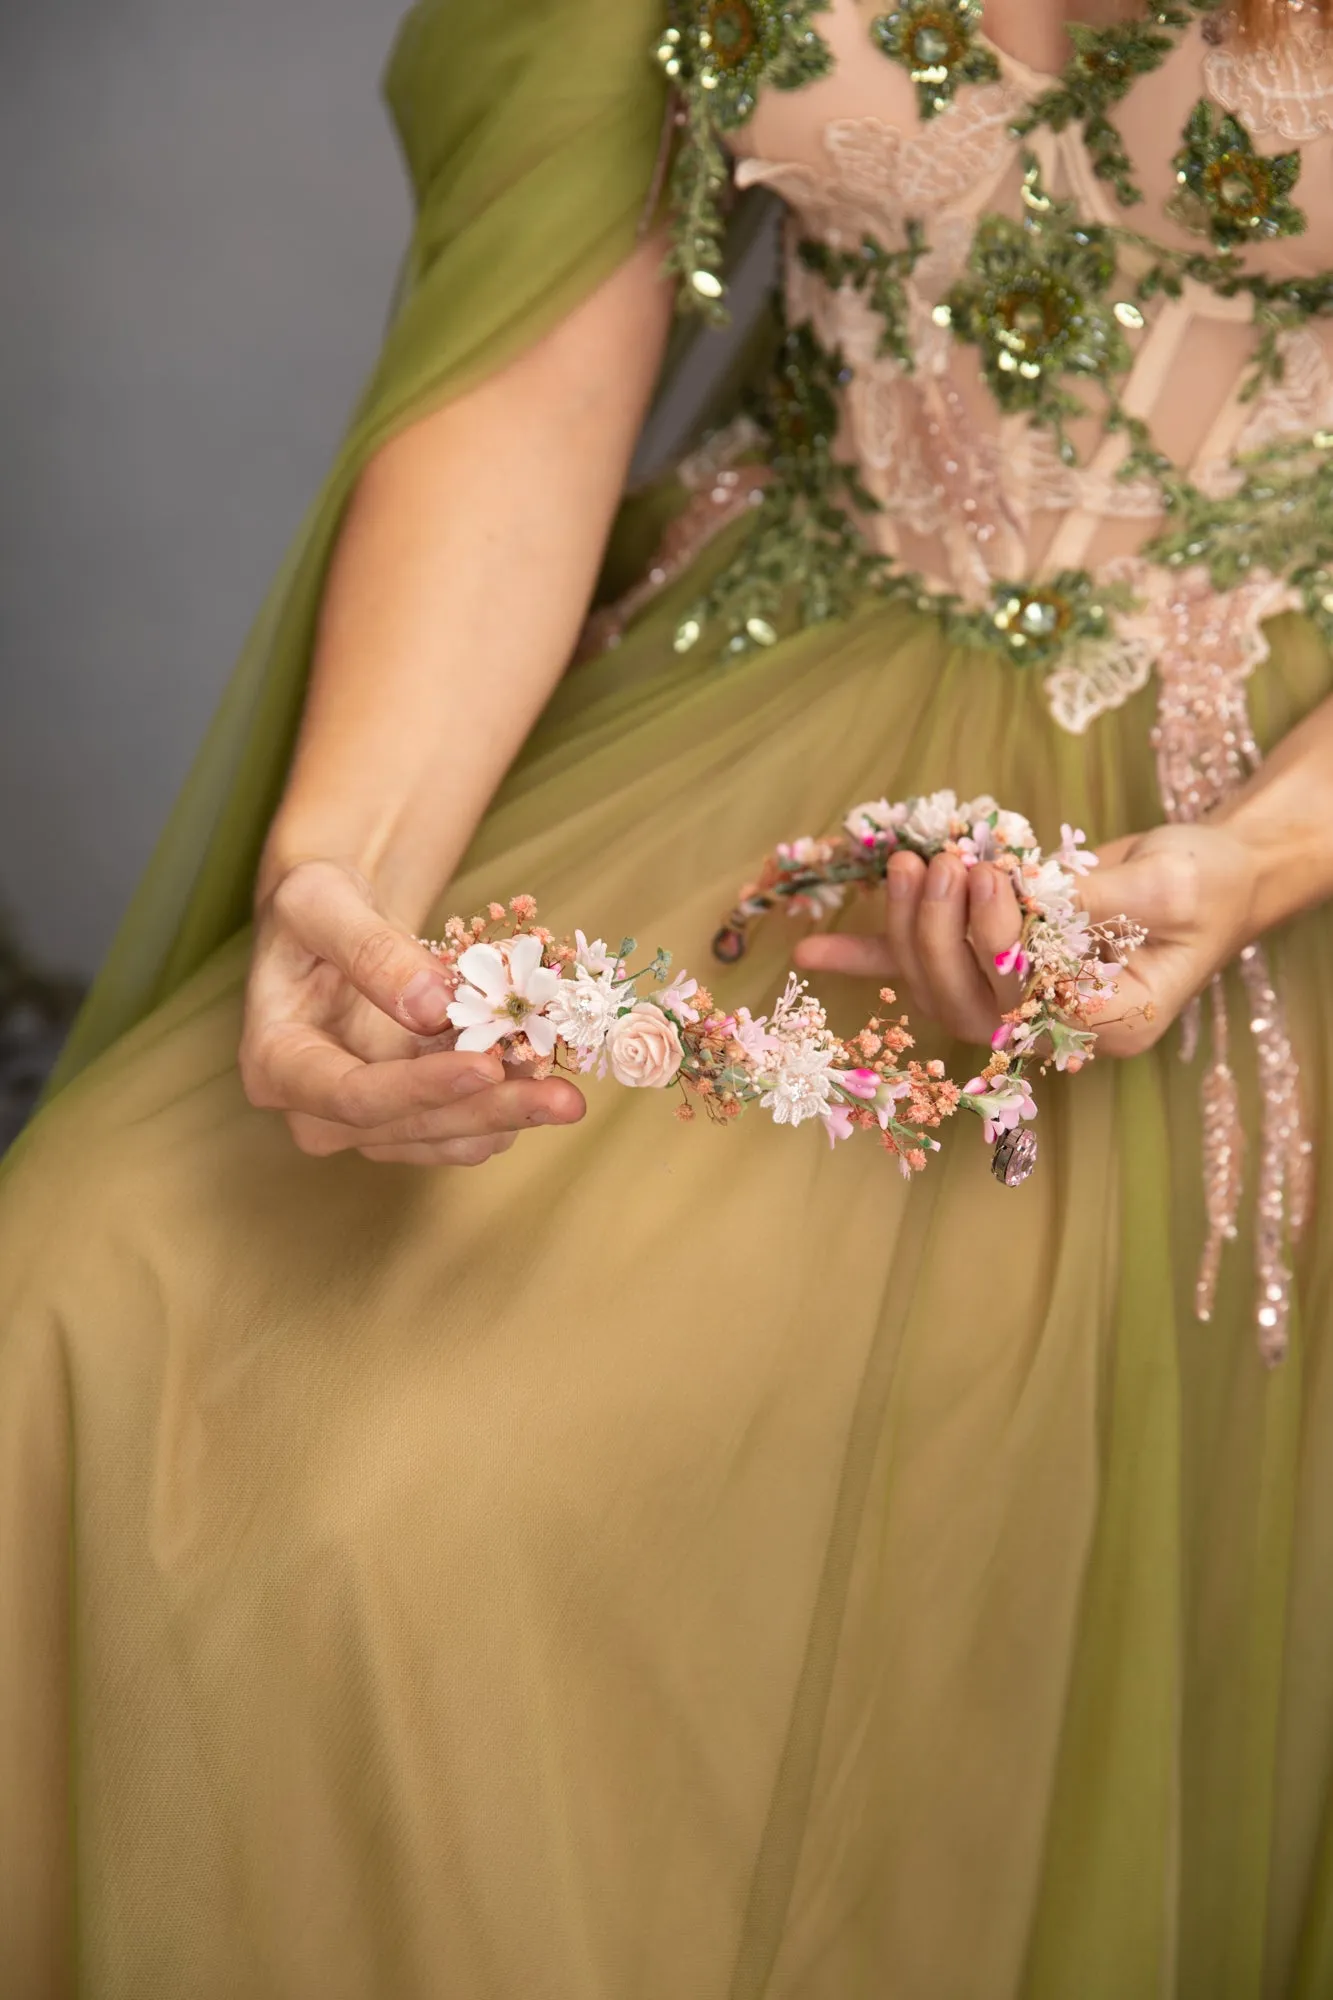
[(1014, 831), (803, 853), (584, 1008), (1050, 887), (644, 1048), (677, 996), (507, 989), (929, 822), (873, 820), (980, 808), (801, 1084)]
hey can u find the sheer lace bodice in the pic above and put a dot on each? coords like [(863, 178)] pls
[(968, 493)]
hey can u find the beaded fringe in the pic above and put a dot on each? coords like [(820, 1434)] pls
[(1206, 748)]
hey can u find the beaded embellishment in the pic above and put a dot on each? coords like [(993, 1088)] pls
[(1205, 748), (1228, 191), (936, 43), (718, 55)]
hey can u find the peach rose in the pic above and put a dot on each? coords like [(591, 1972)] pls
[(644, 1048)]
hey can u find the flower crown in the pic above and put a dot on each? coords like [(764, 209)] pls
[(561, 1002)]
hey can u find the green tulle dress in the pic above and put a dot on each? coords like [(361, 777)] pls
[(671, 1563)]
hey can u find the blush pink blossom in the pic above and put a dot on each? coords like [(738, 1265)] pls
[(643, 1048)]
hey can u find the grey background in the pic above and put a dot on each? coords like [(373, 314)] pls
[(201, 215)]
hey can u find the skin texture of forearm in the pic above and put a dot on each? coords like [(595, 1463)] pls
[(456, 594), (1284, 815)]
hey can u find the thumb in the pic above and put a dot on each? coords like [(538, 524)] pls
[(329, 912)]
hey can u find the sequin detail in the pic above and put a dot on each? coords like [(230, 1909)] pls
[(1206, 747)]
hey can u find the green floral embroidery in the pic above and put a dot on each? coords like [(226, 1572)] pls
[(935, 41), (1103, 69), (1034, 622), (880, 276), (1227, 190), (1035, 302), (804, 554), (1278, 518), (718, 55)]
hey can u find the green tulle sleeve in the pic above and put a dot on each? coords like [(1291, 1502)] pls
[(530, 130)]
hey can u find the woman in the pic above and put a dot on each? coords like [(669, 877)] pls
[(679, 1562)]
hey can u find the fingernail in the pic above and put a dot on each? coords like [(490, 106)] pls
[(425, 1000), (939, 882), (471, 1081), (899, 883), (983, 886)]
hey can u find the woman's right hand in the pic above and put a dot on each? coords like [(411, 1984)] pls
[(343, 1016)]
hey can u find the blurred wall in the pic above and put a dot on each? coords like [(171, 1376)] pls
[(201, 214)]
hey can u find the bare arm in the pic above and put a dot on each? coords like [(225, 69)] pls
[(454, 600), (456, 595)]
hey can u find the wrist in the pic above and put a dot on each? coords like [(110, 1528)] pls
[(1287, 855), (396, 880)]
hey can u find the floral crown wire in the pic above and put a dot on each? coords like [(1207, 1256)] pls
[(561, 1002)]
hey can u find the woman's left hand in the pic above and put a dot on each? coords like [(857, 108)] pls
[(1192, 887)]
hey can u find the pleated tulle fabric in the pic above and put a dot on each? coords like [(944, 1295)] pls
[(667, 1563), (668, 1560)]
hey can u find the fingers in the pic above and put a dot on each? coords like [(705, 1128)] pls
[(995, 925), (858, 957), (943, 926), (327, 912), (903, 887), (495, 1112), (292, 1066), (449, 1153), (959, 994)]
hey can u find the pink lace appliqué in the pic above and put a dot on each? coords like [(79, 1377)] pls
[(1283, 92)]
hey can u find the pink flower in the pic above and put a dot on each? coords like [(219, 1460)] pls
[(1069, 855), (677, 996), (753, 1035), (644, 1048), (1009, 1099), (1003, 1035), (1013, 960), (837, 1122), (594, 957), (862, 1083), (891, 1092)]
